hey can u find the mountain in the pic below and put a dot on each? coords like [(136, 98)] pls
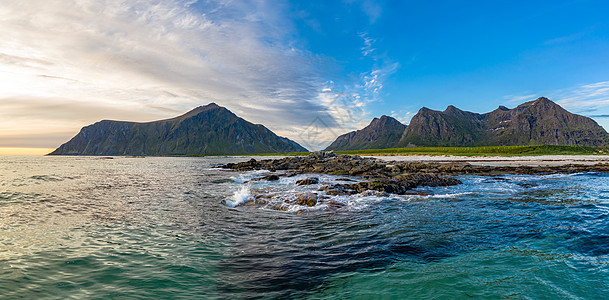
[(451, 127), (380, 133), (538, 122), (205, 130)]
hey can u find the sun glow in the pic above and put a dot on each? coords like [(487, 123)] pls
[(25, 151)]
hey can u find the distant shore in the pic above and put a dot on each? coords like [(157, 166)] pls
[(539, 160)]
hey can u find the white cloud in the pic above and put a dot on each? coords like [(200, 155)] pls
[(519, 99), (153, 58), (65, 64), (584, 98)]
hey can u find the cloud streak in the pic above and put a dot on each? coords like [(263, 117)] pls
[(140, 59), (65, 64)]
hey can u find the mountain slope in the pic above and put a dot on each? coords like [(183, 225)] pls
[(542, 122), (380, 133), (206, 130), (538, 122), (451, 127)]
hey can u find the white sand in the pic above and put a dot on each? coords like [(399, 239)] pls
[(502, 161)]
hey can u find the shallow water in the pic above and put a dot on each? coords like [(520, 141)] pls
[(88, 227)]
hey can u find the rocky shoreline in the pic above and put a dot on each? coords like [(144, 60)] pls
[(376, 177), (383, 177)]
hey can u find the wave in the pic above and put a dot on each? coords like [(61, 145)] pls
[(241, 196)]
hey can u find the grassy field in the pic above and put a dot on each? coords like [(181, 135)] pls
[(473, 151), (485, 151)]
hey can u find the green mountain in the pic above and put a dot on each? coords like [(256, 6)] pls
[(206, 130), (539, 122), (381, 133)]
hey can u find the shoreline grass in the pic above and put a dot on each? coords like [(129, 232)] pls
[(534, 150)]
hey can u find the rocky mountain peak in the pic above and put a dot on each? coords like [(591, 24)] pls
[(205, 130)]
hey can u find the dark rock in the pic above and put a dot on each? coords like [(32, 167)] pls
[(307, 199), (338, 189), (308, 181), (271, 177)]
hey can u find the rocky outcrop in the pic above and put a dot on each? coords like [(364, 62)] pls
[(376, 177), (393, 177), (206, 130)]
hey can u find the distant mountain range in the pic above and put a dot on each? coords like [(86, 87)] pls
[(539, 122), (206, 130)]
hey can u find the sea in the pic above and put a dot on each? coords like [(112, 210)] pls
[(178, 228)]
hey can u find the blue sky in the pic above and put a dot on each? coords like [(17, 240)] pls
[(308, 70)]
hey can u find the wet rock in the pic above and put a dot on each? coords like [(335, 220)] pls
[(338, 189), (308, 181), (384, 185), (369, 193), (306, 199), (392, 169), (381, 176), (280, 207), (432, 180), (271, 177)]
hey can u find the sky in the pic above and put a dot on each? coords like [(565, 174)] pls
[(308, 70)]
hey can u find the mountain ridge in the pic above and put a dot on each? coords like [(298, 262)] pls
[(204, 130), (537, 122)]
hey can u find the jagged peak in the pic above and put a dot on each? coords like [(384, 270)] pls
[(425, 110), (384, 120), (452, 109), (502, 108), (539, 101), (543, 99)]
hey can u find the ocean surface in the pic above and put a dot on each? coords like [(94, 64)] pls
[(172, 228)]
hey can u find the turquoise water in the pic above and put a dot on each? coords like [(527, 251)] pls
[(164, 228)]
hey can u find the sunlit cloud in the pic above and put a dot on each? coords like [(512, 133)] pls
[(151, 59), (65, 64)]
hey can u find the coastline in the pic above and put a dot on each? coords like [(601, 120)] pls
[(533, 160)]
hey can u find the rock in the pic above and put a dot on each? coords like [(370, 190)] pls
[(308, 181), (307, 199), (415, 180), (271, 177), (392, 169), (322, 154), (338, 189)]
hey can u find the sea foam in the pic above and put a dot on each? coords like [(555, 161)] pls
[(240, 196)]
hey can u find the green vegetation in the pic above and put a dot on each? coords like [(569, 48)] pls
[(485, 151), (470, 151)]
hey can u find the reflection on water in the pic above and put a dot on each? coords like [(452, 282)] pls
[(87, 227)]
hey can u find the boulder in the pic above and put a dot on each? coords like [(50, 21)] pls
[(308, 181), (306, 199)]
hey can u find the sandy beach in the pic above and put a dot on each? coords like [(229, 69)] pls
[(542, 160)]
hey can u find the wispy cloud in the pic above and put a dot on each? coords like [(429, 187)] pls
[(368, 48), (68, 63), (590, 99), (153, 58), (403, 116), (518, 99), (347, 102), (586, 97)]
